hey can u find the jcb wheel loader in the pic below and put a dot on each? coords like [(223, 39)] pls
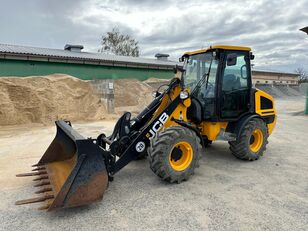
[(213, 100)]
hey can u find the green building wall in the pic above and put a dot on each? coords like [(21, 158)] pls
[(82, 71)]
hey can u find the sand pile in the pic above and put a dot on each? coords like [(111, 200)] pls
[(156, 80), (131, 95), (45, 99)]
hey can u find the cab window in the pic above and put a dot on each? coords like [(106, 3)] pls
[(235, 89)]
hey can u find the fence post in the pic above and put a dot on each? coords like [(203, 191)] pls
[(110, 96), (105, 89), (306, 111)]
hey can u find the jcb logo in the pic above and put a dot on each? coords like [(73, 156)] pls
[(157, 125)]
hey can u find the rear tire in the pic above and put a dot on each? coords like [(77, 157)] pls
[(252, 141), (174, 154)]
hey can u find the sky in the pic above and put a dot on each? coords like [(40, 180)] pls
[(270, 28)]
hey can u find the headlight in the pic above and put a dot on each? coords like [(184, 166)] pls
[(155, 94), (184, 95)]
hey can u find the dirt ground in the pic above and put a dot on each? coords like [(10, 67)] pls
[(224, 194)]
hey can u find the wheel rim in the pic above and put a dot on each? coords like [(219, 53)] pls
[(256, 140), (181, 156)]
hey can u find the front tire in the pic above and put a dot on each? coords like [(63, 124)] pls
[(174, 154), (252, 141)]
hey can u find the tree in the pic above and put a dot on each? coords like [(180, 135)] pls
[(119, 44), (303, 75)]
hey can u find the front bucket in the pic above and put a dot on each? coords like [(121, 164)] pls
[(71, 172)]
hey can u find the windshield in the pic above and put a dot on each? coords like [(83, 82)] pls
[(196, 66)]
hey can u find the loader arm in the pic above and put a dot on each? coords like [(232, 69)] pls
[(164, 111), (142, 141)]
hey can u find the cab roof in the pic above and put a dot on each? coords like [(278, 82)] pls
[(223, 47)]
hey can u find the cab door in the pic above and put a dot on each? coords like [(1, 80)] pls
[(235, 85)]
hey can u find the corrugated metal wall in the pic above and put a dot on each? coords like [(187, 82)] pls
[(82, 71)]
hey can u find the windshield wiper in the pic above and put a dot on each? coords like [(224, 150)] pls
[(205, 77)]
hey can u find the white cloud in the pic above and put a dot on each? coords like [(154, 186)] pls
[(269, 27)]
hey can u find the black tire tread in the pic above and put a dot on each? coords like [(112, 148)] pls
[(157, 152), (241, 150)]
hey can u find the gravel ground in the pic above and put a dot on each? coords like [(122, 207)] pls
[(224, 194)]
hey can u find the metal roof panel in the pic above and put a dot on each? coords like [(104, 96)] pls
[(38, 51)]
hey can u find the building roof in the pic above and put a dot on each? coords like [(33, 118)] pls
[(225, 47), (274, 72), (58, 55), (48, 54)]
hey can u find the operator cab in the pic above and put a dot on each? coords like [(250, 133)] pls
[(219, 80)]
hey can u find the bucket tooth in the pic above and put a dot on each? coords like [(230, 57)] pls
[(31, 174), (42, 183), (34, 200), (27, 174), (39, 168), (45, 206), (41, 177), (46, 189), (36, 165)]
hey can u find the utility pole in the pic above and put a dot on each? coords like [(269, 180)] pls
[(305, 29)]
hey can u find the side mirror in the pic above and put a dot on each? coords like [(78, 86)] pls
[(231, 59), (251, 56), (155, 94)]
